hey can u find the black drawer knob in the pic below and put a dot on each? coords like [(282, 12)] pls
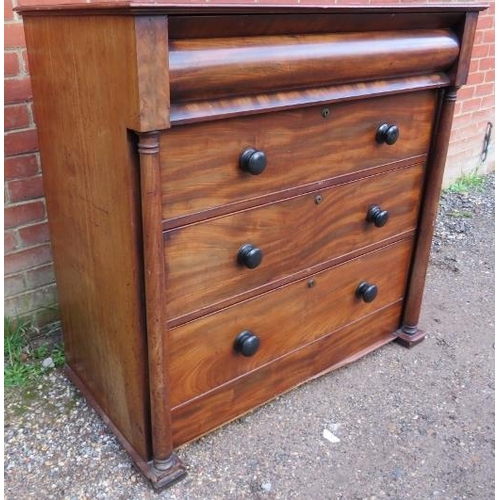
[(378, 216), (253, 161), (249, 256), (387, 133), (247, 343), (366, 291)]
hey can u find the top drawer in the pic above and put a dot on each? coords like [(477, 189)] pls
[(200, 163), (211, 68)]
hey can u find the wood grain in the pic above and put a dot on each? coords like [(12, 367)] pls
[(201, 355), (217, 109), (301, 147), (229, 401), (91, 183), (461, 70), (216, 26), (200, 259), (153, 86), (221, 67)]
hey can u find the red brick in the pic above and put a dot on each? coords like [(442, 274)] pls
[(474, 66), (26, 259), (25, 213), (14, 285), (466, 133), (466, 92), (45, 297), (488, 102), (18, 167), (10, 64), (489, 76), (20, 141), (485, 89), (34, 234), (17, 90), (486, 21), (40, 276), (471, 104), (480, 51), (8, 14), (475, 78), (45, 315), (462, 120), (16, 116), (489, 36), (486, 63), (9, 241), (25, 189), (482, 116), (14, 36)]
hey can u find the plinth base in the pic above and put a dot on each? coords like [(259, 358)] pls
[(409, 340)]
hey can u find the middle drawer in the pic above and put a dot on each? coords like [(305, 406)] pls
[(209, 264)]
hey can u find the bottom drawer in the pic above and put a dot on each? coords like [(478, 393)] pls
[(229, 401)]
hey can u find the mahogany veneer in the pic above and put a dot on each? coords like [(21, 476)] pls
[(241, 197)]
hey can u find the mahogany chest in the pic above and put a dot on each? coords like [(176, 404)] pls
[(240, 197)]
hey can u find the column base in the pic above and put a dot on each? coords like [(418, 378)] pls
[(163, 477), (160, 473), (409, 340)]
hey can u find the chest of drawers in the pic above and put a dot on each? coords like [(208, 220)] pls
[(240, 197)]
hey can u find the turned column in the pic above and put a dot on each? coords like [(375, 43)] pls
[(166, 466), (410, 334)]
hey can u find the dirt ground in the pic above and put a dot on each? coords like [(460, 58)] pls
[(409, 424)]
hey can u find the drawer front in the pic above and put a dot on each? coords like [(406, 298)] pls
[(293, 236), (196, 417), (229, 401), (201, 354), (200, 163)]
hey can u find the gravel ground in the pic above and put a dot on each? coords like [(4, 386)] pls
[(416, 424)]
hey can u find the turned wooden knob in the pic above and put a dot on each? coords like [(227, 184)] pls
[(366, 291), (378, 216), (253, 161), (247, 343), (387, 133), (249, 256)]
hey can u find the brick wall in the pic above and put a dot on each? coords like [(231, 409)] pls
[(475, 105), (29, 280)]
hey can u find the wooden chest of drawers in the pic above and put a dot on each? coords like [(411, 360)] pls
[(240, 197)]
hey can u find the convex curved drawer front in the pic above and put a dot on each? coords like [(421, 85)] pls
[(222, 258), (203, 354), (302, 146)]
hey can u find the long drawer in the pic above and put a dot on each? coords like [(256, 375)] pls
[(292, 236), (302, 146), (202, 354), (200, 415)]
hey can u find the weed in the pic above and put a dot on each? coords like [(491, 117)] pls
[(22, 358), (467, 182)]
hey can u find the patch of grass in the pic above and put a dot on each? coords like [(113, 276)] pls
[(466, 182), (23, 357)]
